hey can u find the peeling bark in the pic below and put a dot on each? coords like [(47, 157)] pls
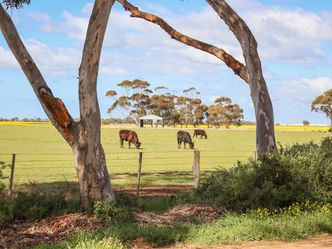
[(82, 136), (251, 73)]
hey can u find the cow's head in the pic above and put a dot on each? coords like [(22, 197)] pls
[(138, 144), (191, 145)]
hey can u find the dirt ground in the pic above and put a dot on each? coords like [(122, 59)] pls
[(319, 242)]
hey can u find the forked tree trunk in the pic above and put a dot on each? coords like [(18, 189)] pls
[(251, 73), (82, 136)]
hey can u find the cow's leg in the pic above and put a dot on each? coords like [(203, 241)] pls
[(129, 143), (121, 143), (184, 144), (179, 144)]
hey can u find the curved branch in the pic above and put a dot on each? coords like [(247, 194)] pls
[(242, 33), (237, 67)]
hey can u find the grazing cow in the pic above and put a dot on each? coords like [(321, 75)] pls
[(184, 137), (200, 132), (130, 136)]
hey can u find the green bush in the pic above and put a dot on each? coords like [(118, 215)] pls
[(293, 174), (111, 211), (31, 206)]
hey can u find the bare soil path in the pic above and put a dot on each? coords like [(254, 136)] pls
[(319, 242)]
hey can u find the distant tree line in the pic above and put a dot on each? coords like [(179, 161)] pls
[(138, 99), (16, 119)]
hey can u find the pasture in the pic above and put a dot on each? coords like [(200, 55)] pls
[(42, 155)]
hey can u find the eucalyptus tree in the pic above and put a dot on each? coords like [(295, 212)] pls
[(134, 100), (250, 72), (83, 136), (323, 103)]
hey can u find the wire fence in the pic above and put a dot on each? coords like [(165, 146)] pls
[(47, 168)]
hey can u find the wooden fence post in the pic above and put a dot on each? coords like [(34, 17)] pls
[(255, 155), (11, 179), (140, 159), (196, 168)]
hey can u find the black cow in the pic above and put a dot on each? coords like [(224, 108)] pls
[(184, 137), (199, 132), (130, 136)]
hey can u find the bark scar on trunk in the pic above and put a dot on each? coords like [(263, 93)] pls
[(56, 106)]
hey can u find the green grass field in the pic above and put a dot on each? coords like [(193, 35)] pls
[(43, 156)]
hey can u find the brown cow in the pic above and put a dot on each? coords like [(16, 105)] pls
[(199, 132), (130, 136), (184, 137)]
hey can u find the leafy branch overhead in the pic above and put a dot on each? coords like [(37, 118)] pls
[(15, 3)]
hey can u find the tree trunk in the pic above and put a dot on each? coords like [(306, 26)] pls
[(91, 169), (265, 139), (90, 158)]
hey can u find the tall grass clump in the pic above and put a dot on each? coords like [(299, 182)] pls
[(294, 173), (106, 243)]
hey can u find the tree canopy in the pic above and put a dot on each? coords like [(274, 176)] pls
[(15, 3), (323, 103)]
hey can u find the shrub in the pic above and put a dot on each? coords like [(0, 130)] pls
[(31, 206), (293, 174), (111, 211)]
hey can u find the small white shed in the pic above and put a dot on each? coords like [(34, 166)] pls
[(154, 119)]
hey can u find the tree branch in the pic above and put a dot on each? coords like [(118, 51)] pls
[(53, 107), (237, 67), (88, 72), (242, 33)]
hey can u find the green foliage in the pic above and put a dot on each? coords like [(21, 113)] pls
[(235, 228), (106, 243), (293, 174), (31, 206), (323, 103), (111, 211), (15, 3)]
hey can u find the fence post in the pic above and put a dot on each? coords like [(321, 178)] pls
[(140, 159), (11, 179), (255, 155), (196, 168)]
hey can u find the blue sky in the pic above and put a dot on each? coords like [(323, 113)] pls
[(294, 39)]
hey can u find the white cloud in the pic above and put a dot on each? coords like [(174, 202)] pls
[(54, 60), (7, 59), (302, 91)]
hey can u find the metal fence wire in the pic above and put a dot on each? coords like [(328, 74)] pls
[(25, 168)]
